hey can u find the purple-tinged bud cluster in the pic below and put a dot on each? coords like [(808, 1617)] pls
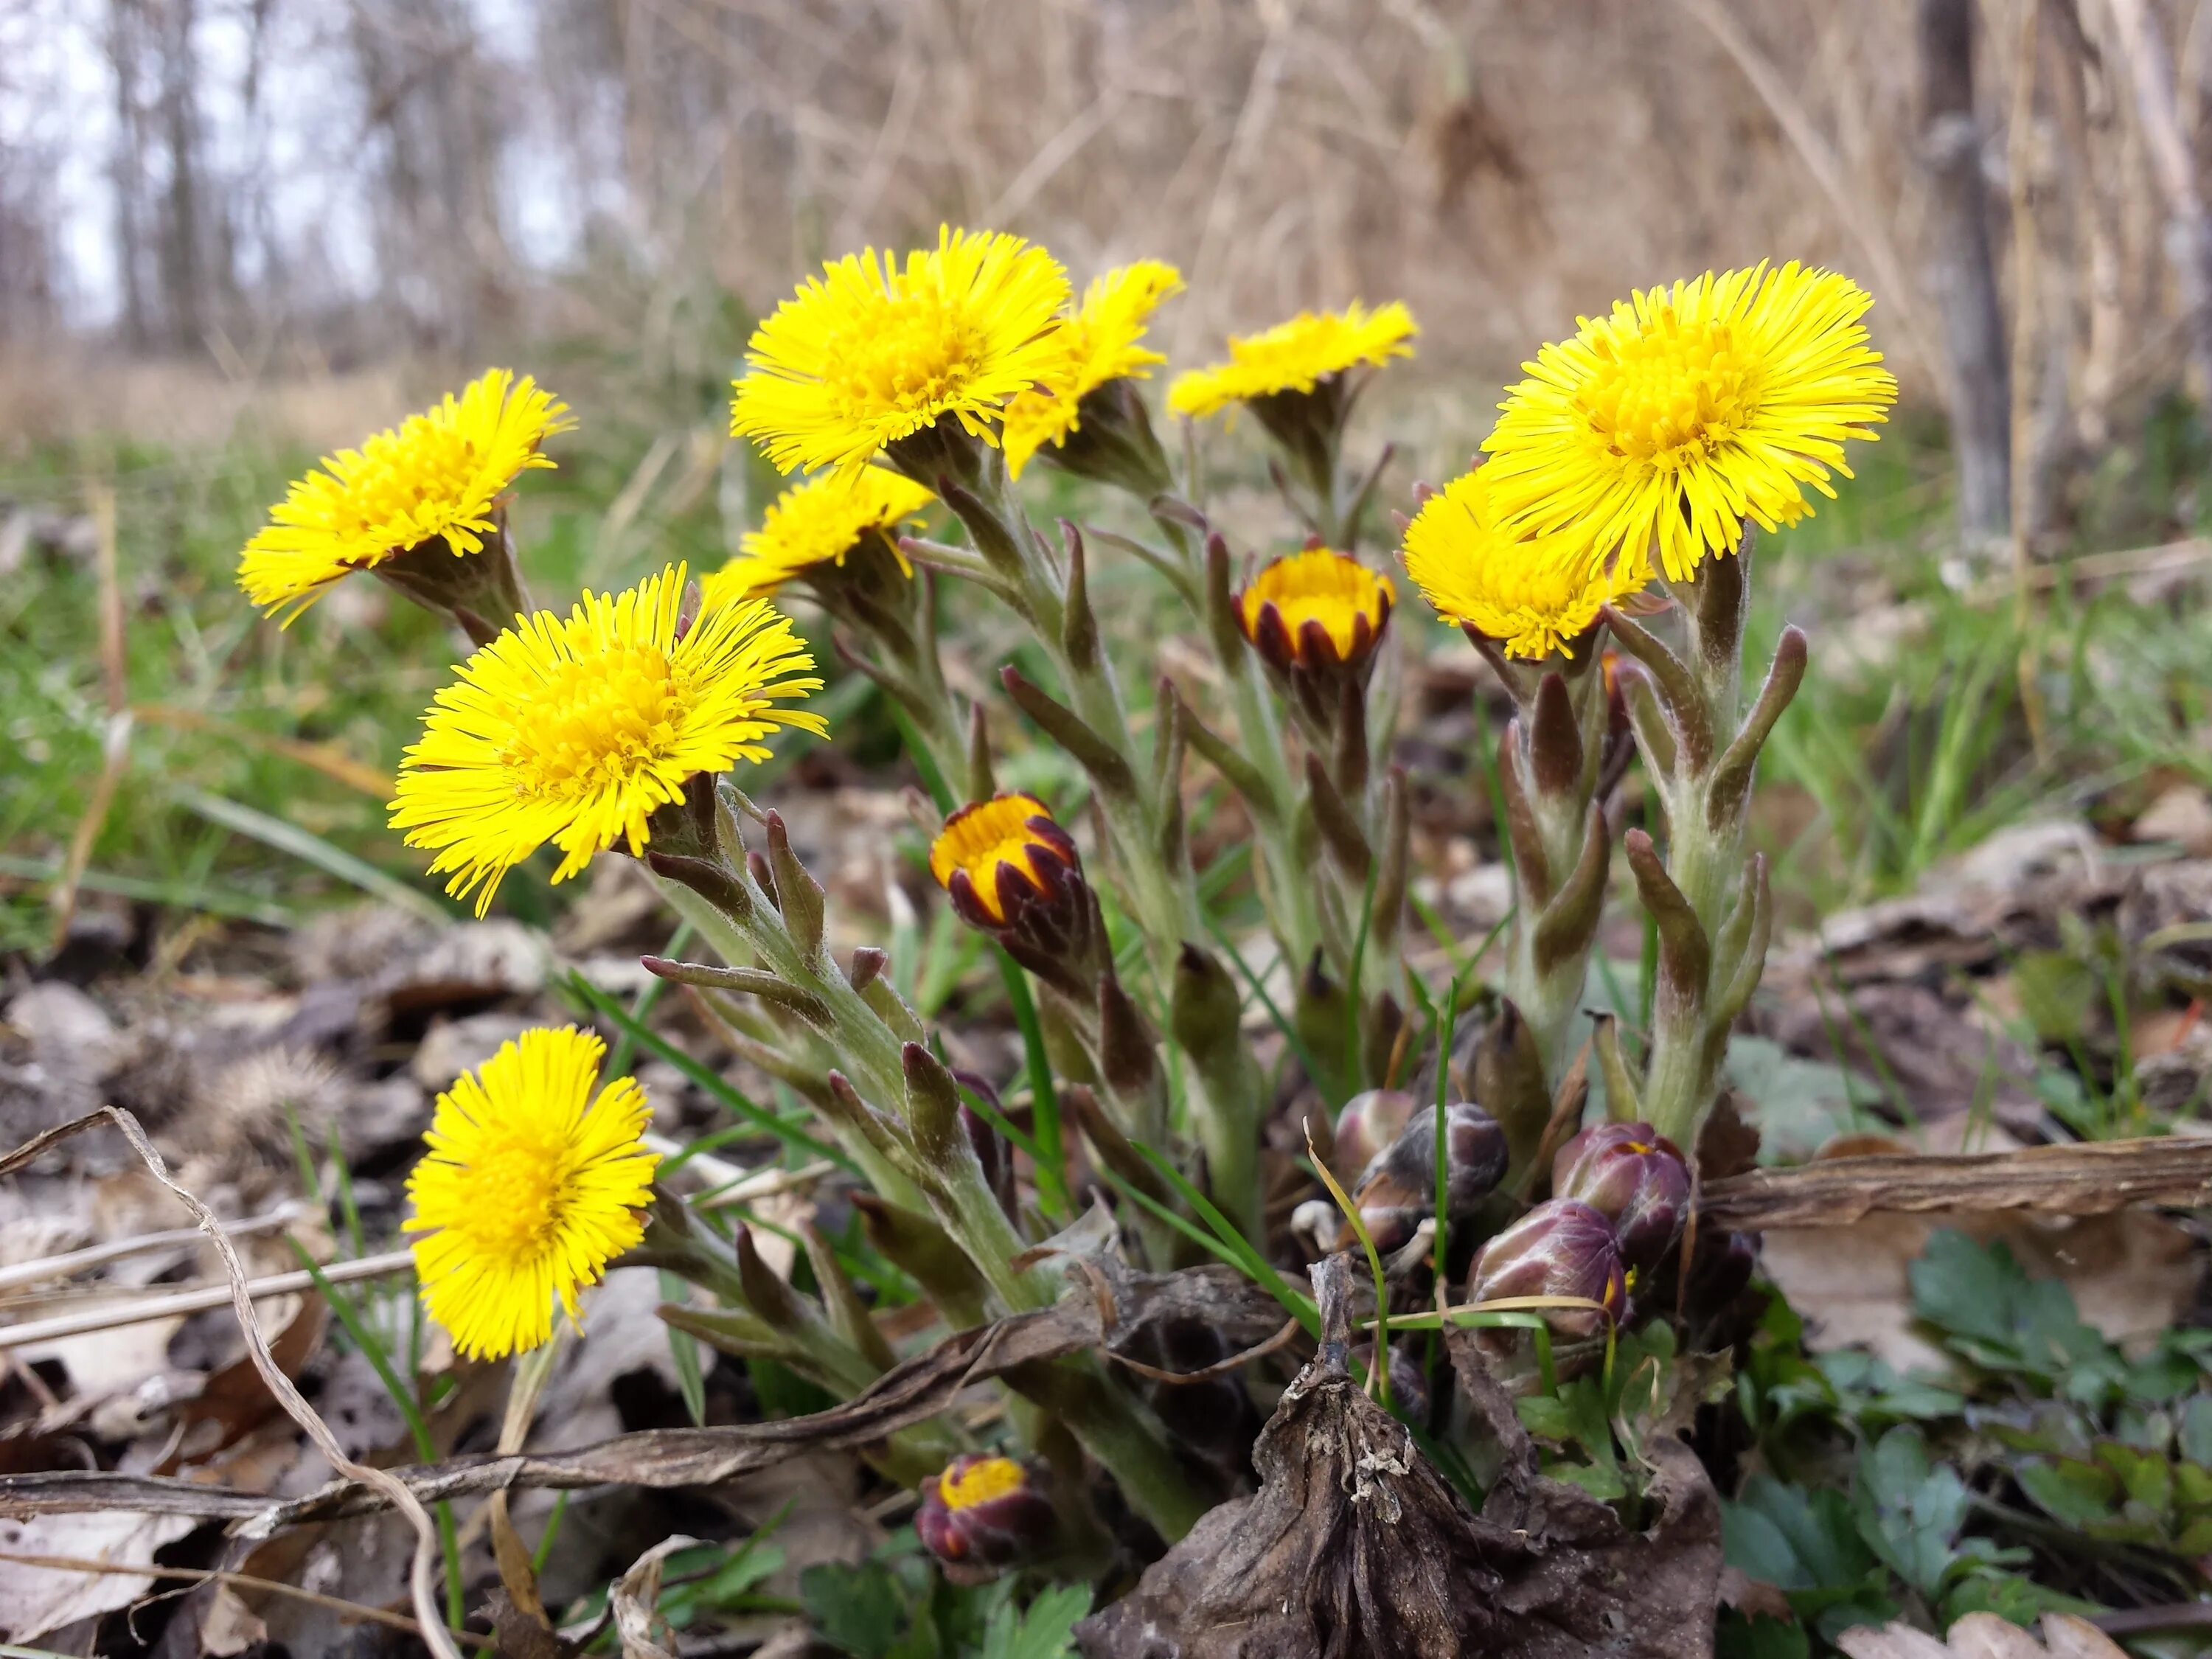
[(983, 1515), (1367, 1126), (1563, 1247), (1475, 1156), (1636, 1178)]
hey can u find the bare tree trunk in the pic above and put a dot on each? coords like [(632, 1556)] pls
[(2189, 233), (127, 167), (183, 235), (2086, 136), (1973, 327)]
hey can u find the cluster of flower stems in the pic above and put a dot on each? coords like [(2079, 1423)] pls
[(1145, 1050)]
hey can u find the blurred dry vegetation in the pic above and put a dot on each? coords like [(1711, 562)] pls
[(1499, 166)]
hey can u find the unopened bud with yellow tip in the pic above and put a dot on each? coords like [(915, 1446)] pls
[(984, 1514)]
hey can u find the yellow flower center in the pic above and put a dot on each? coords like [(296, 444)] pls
[(518, 1193), (979, 838), (983, 1481), (906, 351), (596, 723), (1673, 393)]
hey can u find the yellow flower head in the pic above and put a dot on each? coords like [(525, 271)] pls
[(573, 731), (973, 1480), (870, 352), (1533, 593), (819, 522), (531, 1185), (1661, 428), (1317, 609), (433, 476), (1296, 356), (1008, 849), (1098, 343)]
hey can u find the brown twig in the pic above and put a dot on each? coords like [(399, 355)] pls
[(245, 1581), (2093, 1178), (389, 1487)]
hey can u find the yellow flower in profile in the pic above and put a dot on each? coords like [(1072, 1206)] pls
[(433, 476), (1100, 342), (1661, 428), (872, 351), (1315, 609), (532, 1183), (816, 523), (1533, 593), (571, 731), (1296, 356)]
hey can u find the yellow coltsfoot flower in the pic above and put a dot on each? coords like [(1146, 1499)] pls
[(533, 1183), (573, 731), (1296, 356), (1101, 342), (1317, 609), (1533, 593), (820, 522), (996, 857), (874, 350), (432, 481), (1661, 427)]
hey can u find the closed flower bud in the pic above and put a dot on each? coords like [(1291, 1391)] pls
[(1317, 610), (1474, 1162), (1014, 872), (1369, 1123), (1636, 1178), (1561, 1248), (985, 1513)]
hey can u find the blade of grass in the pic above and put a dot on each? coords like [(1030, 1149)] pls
[(1290, 1032), (1261, 1270), (311, 848), (177, 895), (599, 1002), (426, 1448), (647, 999), (1381, 1370)]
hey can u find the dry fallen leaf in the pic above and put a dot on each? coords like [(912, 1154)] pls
[(35, 1600), (2131, 1274), (1983, 1635)]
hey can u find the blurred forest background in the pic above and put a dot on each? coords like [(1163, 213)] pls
[(208, 204), (236, 233)]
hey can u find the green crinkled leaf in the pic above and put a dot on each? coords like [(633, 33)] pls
[(2077, 1493), (2146, 1477), (2194, 1430), (1793, 1538), (859, 1610), (1045, 1632), (1909, 1511), (1761, 1637)]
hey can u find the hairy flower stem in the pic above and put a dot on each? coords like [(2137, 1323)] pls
[(1288, 894), (1548, 773), (1710, 902), (1118, 1431)]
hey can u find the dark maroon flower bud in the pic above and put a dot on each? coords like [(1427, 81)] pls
[(1561, 1248), (1475, 1156), (1014, 873), (983, 1515), (1636, 1178), (1409, 1383), (1366, 1127)]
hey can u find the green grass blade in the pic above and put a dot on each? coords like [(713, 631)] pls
[(597, 1002), (311, 848)]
